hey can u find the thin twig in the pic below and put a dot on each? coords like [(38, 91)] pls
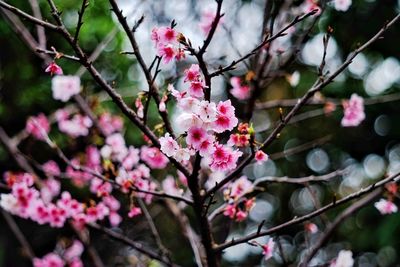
[(135, 245), (41, 35), (85, 4), (261, 45), (166, 254), (27, 249)]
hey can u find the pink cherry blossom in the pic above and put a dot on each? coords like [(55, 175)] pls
[(240, 187), (162, 106), (189, 104), (170, 187), (224, 158), (241, 216), (239, 140), (114, 218), (153, 157), (50, 260), (342, 5), (183, 155), (168, 145), (207, 18), (134, 211), (167, 52), (207, 111), (196, 89), (53, 68), (196, 136), (241, 92), (385, 207), (110, 124), (353, 111), (74, 251), (230, 211), (140, 107), (51, 168), (167, 35), (193, 73), (64, 87), (77, 126), (50, 188), (206, 147), (38, 126), (261, 157), (268, 249), (310, 5), (131, 159), (224, 123)]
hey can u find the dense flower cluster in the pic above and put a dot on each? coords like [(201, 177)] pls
[(165, 39), (69, 257), (200, 120)]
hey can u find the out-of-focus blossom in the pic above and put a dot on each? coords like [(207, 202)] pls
[(153, 157), (261, 157), (268, 249), (341, 5), (50, 260), (311, 228), (64, 87), (344, 259), (353, 111), (241, 92), (134, 211), (385, 207)]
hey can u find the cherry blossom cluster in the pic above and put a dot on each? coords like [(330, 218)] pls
[(238, 205), (28, 202), (69, 257), (165, 39), (200, 120)]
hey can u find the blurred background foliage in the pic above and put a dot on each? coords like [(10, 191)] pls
[(370, 149)]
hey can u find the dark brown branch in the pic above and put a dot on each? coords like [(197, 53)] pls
[(339, 219), (23, 33), (322, 101), (41, 35), (22, 14), (27, 249), (296, 220), (205, 230), (166, 254), (214, 26), (85, 4)]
